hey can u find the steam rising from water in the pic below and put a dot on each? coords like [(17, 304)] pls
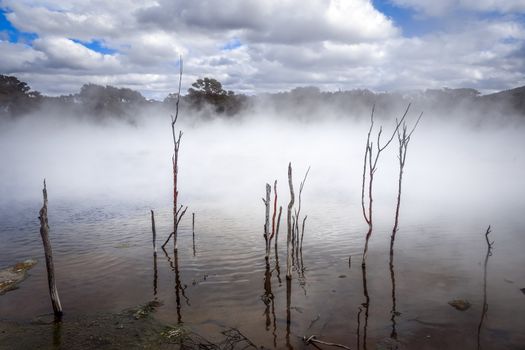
[(225, 163)]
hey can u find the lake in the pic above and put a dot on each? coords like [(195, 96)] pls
[(104, 180)]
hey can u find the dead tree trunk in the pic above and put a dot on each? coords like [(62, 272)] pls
[(177, 212), (370, 164), (290, 228), (267, 223), (44, 232)]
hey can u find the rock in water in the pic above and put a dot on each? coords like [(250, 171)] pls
[(459, 304), (13, 275)]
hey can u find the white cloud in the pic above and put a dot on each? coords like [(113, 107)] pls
[(282, 44), (444, 7), (62, 53)]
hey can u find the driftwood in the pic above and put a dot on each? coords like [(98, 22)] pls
[(290, 227), (312, 339), (44, 232), (370, 163)]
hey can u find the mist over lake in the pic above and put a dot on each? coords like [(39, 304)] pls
[(103, 179)]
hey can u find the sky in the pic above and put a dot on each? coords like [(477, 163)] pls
[(254, 46)]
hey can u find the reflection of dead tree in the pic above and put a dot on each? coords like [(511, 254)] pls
[(359, 326), (370, 164), (366, 306), (290, 227), (288, 312), (155, 275), (269, 301), (485, 305), (178, 213), (393, 312), (179, 288), (44, 232), (155, 272)]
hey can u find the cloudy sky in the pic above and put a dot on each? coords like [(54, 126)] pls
[(272, 45)]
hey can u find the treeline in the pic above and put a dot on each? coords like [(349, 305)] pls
[(207, 98)]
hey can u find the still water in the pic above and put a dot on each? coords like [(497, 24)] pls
[(104, 258)]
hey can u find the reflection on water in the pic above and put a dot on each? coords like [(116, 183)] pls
[(485, 306), (106, 265)]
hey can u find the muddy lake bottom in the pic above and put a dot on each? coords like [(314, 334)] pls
[(218, 281)]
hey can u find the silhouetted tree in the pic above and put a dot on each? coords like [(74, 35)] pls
[(209, 91), (16, 97), (109, 100)]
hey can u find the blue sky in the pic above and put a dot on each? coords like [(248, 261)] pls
[(265, 46), (13, 34)]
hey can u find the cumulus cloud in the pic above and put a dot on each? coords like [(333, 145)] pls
[(444, 7), (253, 46), (274, 21)]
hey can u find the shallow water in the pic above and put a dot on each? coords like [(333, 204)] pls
[(104, 258)]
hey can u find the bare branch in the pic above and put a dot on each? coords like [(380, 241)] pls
[(274, 208), (167, 240), (312, 339)]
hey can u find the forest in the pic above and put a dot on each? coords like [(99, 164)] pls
[(206, 99)]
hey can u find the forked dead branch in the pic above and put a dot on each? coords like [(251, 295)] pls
[(369, 168)]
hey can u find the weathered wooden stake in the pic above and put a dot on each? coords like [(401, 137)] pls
[(44, 232), (290, 228), (154, 232)]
